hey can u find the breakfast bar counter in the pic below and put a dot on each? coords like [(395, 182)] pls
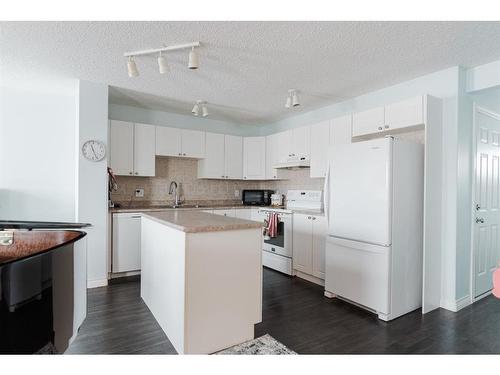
[(201, 277)]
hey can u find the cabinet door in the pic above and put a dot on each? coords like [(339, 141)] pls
[(341, 130), (126, 243), (121, 147), (320, 140), (243, 213), (254, 158), (213, 164), (271, 157), (319, 246), (368, 122), (144, 150), (283, 142), (226, 212), (168, 141), (233, 165), (406, 113), (302, 243), (193, 144), (301, 143)]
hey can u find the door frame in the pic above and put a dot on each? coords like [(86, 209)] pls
[(472, 287)]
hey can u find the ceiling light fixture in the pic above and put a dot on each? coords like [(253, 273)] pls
[(193, 62), (196, 109), (204, 110), (200, 105), (163, 64), (132, 67), (292, 100)]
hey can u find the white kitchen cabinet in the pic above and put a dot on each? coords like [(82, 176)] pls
[(212, 166), (225, 212), (233, 157), (368, 122), (309, 242), (126, 254), (144, 150), (283, 142), (254, 158), (168, 141), (243, 213), (132, 149), (180, 142), (341, 130), (121, 147), (409, 112), (193, 144), (272, 156), (320, 141), (301, 143)]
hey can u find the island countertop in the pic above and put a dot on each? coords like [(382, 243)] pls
[(191, 221)]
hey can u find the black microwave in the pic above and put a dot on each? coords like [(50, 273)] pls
[(257, 197)]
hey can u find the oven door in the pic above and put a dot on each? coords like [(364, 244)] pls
[(282, 243)]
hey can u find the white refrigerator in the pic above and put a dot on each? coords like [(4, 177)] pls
[(374, 205)]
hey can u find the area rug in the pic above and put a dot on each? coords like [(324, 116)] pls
[(263, 345)]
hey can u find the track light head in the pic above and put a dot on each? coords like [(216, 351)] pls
[(288, 103), (292, 100), (196, 109), (295, 99), (193, 61), (132, 67), (163, 64), (204, 110)]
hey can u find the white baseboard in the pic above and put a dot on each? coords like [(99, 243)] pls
[(96, 283), (310, 278), (457, 305)]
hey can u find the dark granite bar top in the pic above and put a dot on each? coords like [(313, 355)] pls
[(13, 224)]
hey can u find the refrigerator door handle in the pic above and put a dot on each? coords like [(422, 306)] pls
[(326, 194)]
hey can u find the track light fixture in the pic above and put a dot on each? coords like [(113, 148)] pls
[(200, 105), (193, 61), (132, 67), (292, 100), (163, 64)]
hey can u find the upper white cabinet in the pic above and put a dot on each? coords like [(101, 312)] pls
[(341, 130), (409, 112), (272, 156), (368, 122), (121, 147), (233, 156), (254, 158), (212, 166), (283, 143), (132, 149), (180, 142), (301, 143), (406, 113), (320, 139)]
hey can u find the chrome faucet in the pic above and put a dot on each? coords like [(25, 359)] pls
[(173, 189)]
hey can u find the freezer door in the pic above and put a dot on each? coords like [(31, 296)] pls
[(359, 272), (360, 191)]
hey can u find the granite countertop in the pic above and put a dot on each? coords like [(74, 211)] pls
[(181, 208), (190, 221)]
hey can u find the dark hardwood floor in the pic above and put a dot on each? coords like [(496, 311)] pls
[(296, 313)]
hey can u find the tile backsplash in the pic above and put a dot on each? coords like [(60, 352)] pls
[(184, 171)]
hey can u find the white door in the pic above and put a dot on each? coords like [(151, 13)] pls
[(213, 164), (233, 157), (368, 122), (168, 141), (301, 143), (318, 246), (144, 150), (272, 156), (254, 158), (302, 243), (320, 139), (409, 112), (360, 191), (487, 200), (126, 243), (193, 144), (341, 130), (121, 158)]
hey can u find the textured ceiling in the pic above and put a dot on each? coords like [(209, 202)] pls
[(246, 68)]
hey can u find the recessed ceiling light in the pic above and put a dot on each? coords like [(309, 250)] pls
[(132, 67)]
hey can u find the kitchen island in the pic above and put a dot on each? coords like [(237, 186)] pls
[(201, 277)]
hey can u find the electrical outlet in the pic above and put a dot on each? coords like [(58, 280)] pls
[(139, 193), (236, 193)]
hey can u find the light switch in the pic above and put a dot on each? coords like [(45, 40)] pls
[(236, 193)]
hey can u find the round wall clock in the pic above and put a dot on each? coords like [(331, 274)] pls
[(94, 150)]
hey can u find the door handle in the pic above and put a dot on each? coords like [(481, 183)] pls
[(479, 220)]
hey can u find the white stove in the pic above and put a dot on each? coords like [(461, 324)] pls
[(278, 251)]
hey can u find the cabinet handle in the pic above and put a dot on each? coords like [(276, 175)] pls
[(386, 126), (222, 176), (130, 173), (136, 217), (314, 218), (380, 128), (136, 173), (309, 217), (179, 154), (184, 154)]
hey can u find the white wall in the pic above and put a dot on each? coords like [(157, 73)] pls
[(92, 186), (37, 151)]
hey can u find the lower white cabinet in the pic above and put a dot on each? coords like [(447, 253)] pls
[(309, 242), (243, 213), (225, 212), (126, 255)]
